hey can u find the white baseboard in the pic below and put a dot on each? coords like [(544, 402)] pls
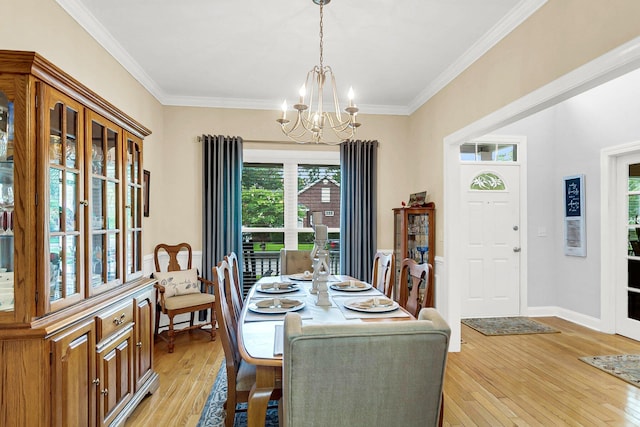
[(569, 315)]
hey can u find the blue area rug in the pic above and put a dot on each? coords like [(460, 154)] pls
[(213, 414)]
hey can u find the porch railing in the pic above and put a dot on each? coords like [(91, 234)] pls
[(257, 264)]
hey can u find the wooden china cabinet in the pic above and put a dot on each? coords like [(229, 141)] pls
[(76, 335), (414, 236)]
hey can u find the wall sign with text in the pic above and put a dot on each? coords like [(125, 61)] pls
[(575, 243)]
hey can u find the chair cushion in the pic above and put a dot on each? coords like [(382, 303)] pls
[(189, 300), (181, 282), (246, 376)]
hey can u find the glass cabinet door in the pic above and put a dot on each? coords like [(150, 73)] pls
[(133, 207), (103, 166), (418, 237), (65, 206), (7, 295)]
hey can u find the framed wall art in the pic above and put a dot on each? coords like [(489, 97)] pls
[(575, 241)]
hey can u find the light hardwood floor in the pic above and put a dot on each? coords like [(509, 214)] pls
[(519, 380)]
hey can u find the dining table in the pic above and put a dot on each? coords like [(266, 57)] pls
[(260, 329)]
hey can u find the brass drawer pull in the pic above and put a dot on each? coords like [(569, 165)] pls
[(139, 344), (104, 392), (119, 320), (96, 381)]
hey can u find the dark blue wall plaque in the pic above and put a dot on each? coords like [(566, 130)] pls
[(573, 190)]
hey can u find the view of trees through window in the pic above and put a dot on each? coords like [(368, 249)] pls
[(277, 205)]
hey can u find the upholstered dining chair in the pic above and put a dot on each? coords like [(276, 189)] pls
[(240, 375), (178, 292), (295, 261), (383, 277), (364, 374), (412, 276)]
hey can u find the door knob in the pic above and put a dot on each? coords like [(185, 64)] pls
[(516, 249)]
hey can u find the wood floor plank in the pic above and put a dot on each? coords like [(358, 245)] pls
[(519, 380)]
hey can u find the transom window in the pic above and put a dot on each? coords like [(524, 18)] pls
[(488, 152)]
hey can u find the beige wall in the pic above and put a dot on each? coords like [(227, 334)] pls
[(559, 37), (44, 27), (181, 168)]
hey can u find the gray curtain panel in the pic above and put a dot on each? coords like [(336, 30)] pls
[(358, 213), (221, 200)]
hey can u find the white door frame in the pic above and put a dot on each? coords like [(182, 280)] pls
[(521, 142), (609, 231), (613, 64)]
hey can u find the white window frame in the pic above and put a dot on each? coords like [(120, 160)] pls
[(290, 159), (325, 195)]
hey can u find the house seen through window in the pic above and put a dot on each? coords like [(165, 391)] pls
[(278, 199)]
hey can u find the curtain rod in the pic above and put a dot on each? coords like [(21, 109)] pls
[(265, 141)]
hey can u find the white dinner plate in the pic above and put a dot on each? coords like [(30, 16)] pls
[(275, 310), (301, 276), (292, 288), (345, 286), (352, 304)]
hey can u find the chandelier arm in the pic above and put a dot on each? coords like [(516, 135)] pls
[(335, 98), (320, 77), (291, 128), (340, 126)]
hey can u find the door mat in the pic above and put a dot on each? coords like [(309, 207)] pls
[(624, 366), (508, 326)]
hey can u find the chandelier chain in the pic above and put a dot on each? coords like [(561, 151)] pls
[(321, 35)]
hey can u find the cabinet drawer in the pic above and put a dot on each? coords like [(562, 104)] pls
[(113, 319)]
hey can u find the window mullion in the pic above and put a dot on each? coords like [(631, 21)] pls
[(290, 205)]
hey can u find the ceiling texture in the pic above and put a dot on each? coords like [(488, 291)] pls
[(396, 54)]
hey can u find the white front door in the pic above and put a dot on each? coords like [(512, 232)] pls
[(490, 233), (627, 289)]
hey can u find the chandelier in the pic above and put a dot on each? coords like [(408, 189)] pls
[(310, 124)]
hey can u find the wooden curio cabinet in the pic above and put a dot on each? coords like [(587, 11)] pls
[(414, 232), (75, 308)]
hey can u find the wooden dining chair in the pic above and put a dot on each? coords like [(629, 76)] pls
[(178, 292), (233, 293), (241, 376), (332, 376), (412, 278), (383, 273)]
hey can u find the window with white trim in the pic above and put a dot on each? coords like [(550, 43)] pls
[(280, 191)]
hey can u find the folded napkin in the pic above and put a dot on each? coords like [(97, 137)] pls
[(350, 284), (278, 286), (373, 302), (278, 303)]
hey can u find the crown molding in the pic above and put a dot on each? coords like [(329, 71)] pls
[(499, 31), (91, 25), (87, 21)]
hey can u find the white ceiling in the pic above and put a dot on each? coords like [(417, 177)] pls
[(252, 54)]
